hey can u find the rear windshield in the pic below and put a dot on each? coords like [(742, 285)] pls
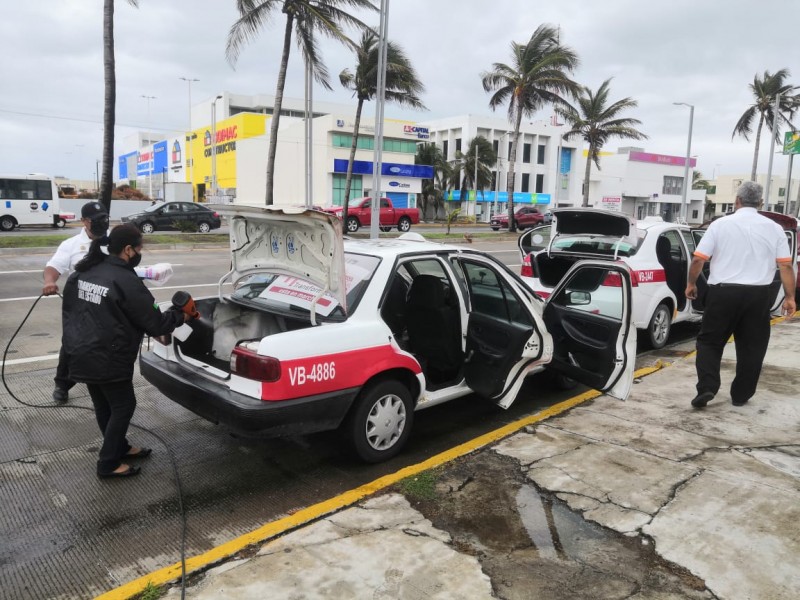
[(598, 244), (292, 296)]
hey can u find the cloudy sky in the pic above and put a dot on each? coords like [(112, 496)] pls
[(702, 52)]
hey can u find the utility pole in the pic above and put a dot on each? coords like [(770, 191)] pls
[(151, 165), (189, 161), (379, 102), (475, 205), (214, 148), (776, 117)]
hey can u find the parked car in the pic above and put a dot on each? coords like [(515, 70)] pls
[(167, 215), (359, 214), (524, 217), (658, 253), (322, 333)]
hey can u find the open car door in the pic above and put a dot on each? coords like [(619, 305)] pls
[(589, 317), (505, 336), (699, 303)]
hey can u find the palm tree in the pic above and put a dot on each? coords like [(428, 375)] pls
[(596, 121), (765, 89), (699, 182), (433, 190), (109, 101), (538, 75), (402, 87), (304, 18), (463, 168)]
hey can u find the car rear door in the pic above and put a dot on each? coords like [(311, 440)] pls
[(387, 213), (504, 334), (692, 240), (589, 318)]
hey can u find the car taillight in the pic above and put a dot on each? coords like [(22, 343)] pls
[(216, 215), (526, 270), (251, 365), (613, 279)]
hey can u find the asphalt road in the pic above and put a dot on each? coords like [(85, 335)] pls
[(67, 534)]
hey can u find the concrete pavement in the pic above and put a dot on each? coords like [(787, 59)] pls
[(715, 492)]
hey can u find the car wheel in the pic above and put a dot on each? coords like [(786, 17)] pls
[(147, 227), (203, 227), (495, 229), (660, 323), (352, 225), (380, 421), (7, 223), (60, 224), (404, 224)]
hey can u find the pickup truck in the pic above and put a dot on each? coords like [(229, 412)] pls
[(524, 217), (359, 214)]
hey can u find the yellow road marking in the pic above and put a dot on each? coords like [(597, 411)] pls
[(311, 513)]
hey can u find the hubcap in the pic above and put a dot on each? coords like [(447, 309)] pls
[(660, 325), (385, 422)]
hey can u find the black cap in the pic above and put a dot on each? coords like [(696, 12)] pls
[(91, 210)]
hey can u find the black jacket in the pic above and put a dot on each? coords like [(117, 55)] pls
[(105, 313)]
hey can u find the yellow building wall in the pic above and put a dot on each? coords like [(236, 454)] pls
[(229, 131)]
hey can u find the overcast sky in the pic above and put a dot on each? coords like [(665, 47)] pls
[(702, 52)]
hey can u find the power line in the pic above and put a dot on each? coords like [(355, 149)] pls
[(80, 120)]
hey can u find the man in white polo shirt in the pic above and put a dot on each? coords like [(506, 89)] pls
[(743, 249), (95, 225)]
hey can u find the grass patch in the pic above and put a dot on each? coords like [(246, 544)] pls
[(32, 241), (151, 592), (421, 486), (45, 241)]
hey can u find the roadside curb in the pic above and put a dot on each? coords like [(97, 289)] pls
[(309, 514)]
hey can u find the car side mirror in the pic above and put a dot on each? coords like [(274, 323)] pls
[(576, 298)]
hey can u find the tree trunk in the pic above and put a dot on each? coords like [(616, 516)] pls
[(512, 225), (110, 100), (586, 176), (348, 182), (755, 153), (276, 111)]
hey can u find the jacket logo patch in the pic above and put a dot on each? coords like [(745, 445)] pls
[(91, 292)]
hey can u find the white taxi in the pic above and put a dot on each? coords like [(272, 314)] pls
[(320, 332), (658, 253)]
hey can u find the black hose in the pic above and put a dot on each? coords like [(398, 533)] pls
[(171, 455)]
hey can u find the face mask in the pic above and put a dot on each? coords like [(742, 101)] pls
[(134, 262), (99, 226)]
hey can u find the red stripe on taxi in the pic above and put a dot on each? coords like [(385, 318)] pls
[(650, 276), (328, 373)]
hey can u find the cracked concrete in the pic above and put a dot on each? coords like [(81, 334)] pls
[(642, 499)]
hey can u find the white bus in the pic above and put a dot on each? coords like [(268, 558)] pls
[(30, 200)]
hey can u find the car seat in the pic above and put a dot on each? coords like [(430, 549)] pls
[(434, 331), (674, 270), (393, 310)]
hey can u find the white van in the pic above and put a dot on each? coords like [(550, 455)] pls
[(30, 200)]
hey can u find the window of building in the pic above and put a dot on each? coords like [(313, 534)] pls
[(539, 184), (526, 182), (694, 215), (496, 147), (458, 144), (395, 145), (356, 188), (672, 185), (509, 149), (540, 154), (526, 153), (345, 140), (444, 148)]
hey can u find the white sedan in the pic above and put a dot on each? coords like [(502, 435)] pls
[(322, 333), (657, 252)]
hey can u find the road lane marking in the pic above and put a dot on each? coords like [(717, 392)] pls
[(22, 361), (152, 289), (306, 515), (40, 270)]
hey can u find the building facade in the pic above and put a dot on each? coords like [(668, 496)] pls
[(723, 192)]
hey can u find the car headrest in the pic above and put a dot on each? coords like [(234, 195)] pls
[(426, 290)]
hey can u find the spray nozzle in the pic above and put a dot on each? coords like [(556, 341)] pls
[(185, 302)]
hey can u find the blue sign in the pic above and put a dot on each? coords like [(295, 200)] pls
[(123, 164), (160, 157), (363, 167), (519, 197), (566, 160)]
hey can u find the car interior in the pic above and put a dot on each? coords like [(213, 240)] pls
[(671, 256)]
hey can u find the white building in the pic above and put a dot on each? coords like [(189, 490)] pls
[(725, 186)]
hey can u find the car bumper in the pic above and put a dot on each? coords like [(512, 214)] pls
[(246, 416)]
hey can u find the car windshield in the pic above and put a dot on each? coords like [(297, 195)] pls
[(154, 207), (293, 296), (599, 244)]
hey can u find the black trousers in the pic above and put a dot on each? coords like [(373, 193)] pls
[(744, 312), (62, 371), (114, 404)]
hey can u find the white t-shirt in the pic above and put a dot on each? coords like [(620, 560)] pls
[(744, 248), (69, 252)]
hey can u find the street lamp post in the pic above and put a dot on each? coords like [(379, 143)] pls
[(214, 147), (189, 159), (684, 205)]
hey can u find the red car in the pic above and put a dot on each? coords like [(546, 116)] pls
[(525, 217)]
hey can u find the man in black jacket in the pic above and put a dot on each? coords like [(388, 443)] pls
[(106, 311)]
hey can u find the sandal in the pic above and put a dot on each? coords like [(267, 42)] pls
[(142, 453), (126, 473)]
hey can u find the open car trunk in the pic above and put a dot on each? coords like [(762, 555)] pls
[(551, 269), (224, 325)]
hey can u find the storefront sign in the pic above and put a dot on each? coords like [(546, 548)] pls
[(421, 133), (660, 159), (612, 203), (363, 167)]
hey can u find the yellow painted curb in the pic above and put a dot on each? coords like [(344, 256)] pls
[(348, 498)]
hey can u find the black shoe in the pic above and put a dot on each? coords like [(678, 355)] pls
[(130, 471), (60, 395), (142, 453), (702, 399), (739, 402)]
